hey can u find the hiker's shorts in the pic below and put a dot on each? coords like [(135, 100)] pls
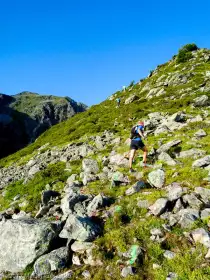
[(136, 144)]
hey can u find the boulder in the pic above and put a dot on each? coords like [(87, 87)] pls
[(157, 178), (23, 241), (202, 162), (200, 133), (192, 201), (204, 193), (187, 217), (159, 206), (47, 195), (169, 254), (193, 153), (95, 204), (90, 166), (81, 247), (175, 191), (80, 229), (126, 271), (200, 235), (205, 213), (118, 160), (201, 101), (167, 159), (131, 99), (64, 276), (135, 188), (161, 129), (167, 146), (54, 261)]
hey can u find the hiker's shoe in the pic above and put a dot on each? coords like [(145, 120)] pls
[(144, 164), (132, 170)]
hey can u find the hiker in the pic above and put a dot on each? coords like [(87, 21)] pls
[(124, 88), (118, 102), (137, 134)]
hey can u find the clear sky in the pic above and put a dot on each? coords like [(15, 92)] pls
[(88, 49)]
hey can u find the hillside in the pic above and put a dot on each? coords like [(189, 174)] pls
[(26, 115), (69, 199)]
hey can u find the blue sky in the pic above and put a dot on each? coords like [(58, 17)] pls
[(89, 49)]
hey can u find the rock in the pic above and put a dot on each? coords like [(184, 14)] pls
[(95, 204), (178, 117), (169, 255), (202, 162), (33, 170), (157, 232), (81, 247), (155, 266), (89, 178), (126, 271), (192, 201), (90, 166), (23, 241), (178, 206), (200, 133), (202, 100), (207, 255), (118, 178), (161, 129), (204, 193), (171, 276), (71, 179), (143, 204), (159, 206), (167, 146), (187, 217), (194, 153), (69, 201), (54, 261), (167, 159), (80, 228), (91, 259), (157, 178), (135, 188), (86, 274), (175, 191), (131, 99), (64, 276), (76, 260), (47, 195), (42, 211), (200, 235), (118, 160), (205, 213)]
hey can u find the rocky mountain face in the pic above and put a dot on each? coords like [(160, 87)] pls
[(25, 116), (71, 210)]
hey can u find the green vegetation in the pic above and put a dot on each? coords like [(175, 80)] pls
[(185, 53)]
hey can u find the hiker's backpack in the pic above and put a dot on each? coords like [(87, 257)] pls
[(133, 134)]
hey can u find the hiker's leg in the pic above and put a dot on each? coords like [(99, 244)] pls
[(132, 154), (144, 154)]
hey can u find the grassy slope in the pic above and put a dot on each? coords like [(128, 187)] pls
[(118, 233)]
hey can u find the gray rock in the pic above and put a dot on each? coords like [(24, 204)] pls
[(200, 133), (76, 260), (81, 247), (200, 235), (193, 153), (202, 162), (86, 274), (54, 261), (23, 241), (135, 188), (42, 212), (171, 276), (207, 256), (119, 178), (204, 193), (159, 206), (64, 276), (175, 191), (167, 146), (205, 213), (157, 178), (33, 170), (95, 204), (157, 231), (89, 178), (161, 129), (91, 259), (169, 255), (178, 206), (178, 117), (80, 228), (126, 271), (192, 201), (131, 99), (167, 159), (187, 217), (202, 100), (118, 160), (90, 166)]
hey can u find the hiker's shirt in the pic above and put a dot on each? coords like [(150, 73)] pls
[(138, 127)]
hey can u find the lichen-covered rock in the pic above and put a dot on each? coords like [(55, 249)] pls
[(157, 178), (159, 206), (202, 162), (80, 228), (167, 146), (23, 241), (200, 101), (90, 166), (54, 261)]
